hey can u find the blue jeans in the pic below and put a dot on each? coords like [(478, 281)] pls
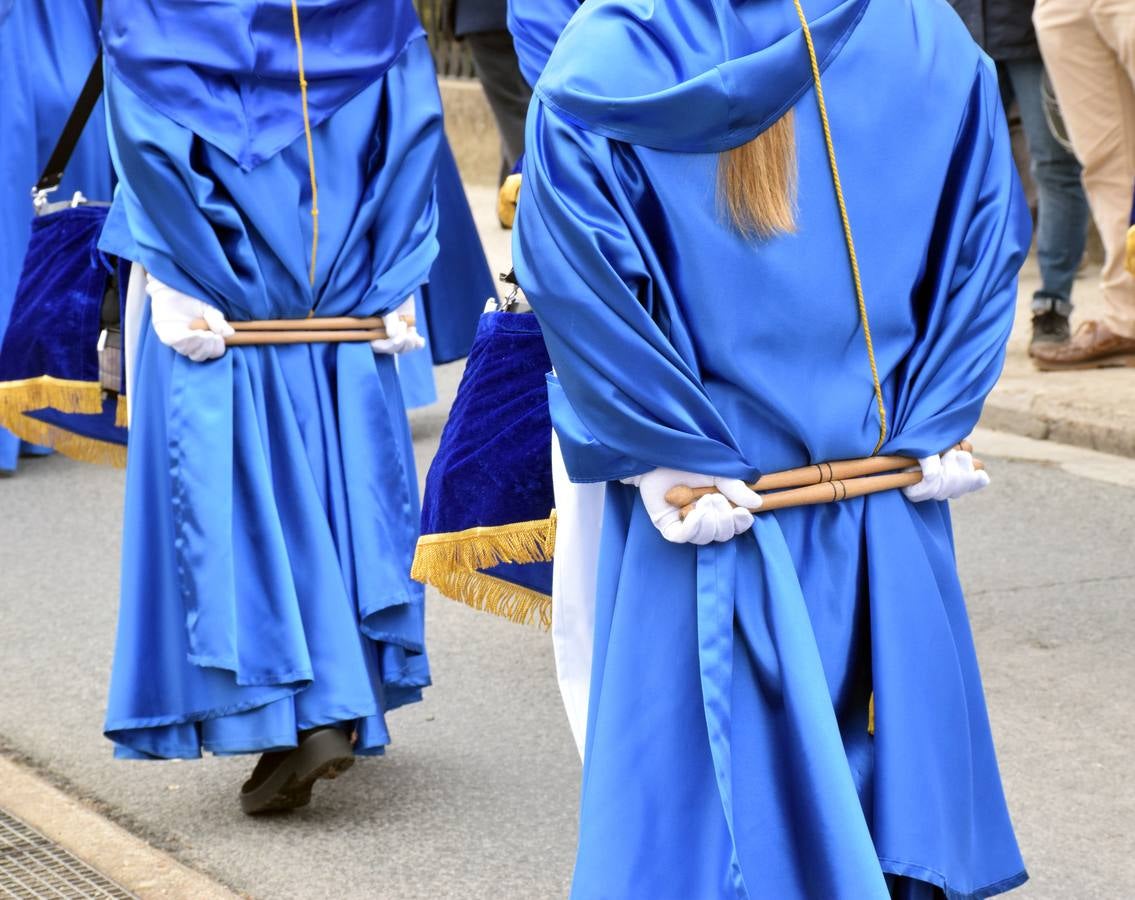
[(1062, 208)]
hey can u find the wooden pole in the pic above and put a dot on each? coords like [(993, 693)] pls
[(314, 330), (263, 338), (819, 473)]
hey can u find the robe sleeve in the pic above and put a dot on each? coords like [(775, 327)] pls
[(967, 295), (587, 268)]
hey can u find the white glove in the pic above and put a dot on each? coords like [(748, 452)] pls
[(172, 312), (947, 477), (714, 517), (400, 337)]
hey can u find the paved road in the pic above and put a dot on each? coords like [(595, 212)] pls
[(476, 798)]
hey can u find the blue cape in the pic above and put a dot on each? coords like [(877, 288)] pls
[(728, 747)]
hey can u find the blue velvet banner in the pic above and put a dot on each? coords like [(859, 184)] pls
[(494, 464), (49, 362), (487, 524)]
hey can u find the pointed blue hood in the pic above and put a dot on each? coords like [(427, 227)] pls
[(692, 76), (227, 69)]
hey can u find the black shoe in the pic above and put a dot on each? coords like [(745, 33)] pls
[(1050, 328), (283, 779), (1050, 321)]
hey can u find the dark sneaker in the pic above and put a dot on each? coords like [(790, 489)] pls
[(1050, 321), (1050, 328), (283, 779)]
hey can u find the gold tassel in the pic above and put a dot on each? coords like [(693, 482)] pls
[(497, 597), (17, 397), (871, 714), (507, 199), (71, 445), (121, 412), (482, 548)]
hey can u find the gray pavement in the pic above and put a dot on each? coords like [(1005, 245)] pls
[(477, 796)]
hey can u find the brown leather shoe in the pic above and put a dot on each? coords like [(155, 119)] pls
[(1093, 346)]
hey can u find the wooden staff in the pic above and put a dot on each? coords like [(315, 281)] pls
[(329, 330), (331, 323), (822, 483), (256, 338)]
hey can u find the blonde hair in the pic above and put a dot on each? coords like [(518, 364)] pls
[(757, 181)]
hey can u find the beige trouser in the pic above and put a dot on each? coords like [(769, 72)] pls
[(1089, 51)]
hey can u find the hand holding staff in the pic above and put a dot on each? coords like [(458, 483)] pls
[(823, 482)]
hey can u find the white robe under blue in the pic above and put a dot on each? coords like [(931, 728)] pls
[(728, 752), (271, 499)]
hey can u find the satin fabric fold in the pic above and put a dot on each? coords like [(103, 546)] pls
[(229, 71), (728, 753), (647, 84), (535, 26), (271, 509)]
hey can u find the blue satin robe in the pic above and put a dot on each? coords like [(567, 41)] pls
[(450, 305), (728, 752), (46, 50), (271, 499)]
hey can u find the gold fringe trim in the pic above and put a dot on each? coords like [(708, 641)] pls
[(121, 412), (871, 714), (498, 597), (451, 563), (17, 397), (75, 446), (437, 555)]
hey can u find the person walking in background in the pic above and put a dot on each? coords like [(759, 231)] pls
[(1089, 50), (483, 24), (1004, 29)]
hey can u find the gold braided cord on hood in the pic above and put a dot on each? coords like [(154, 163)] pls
[(854, 259)]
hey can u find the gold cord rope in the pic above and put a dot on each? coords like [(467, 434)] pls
[(846, 228), (310, 150)]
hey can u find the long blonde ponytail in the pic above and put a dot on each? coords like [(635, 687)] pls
[(757, 181)]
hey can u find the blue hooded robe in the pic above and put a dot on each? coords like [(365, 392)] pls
[(728, 750), (46, 50), (271, 499)]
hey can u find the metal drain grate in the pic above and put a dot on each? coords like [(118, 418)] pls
[(33, 867)]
